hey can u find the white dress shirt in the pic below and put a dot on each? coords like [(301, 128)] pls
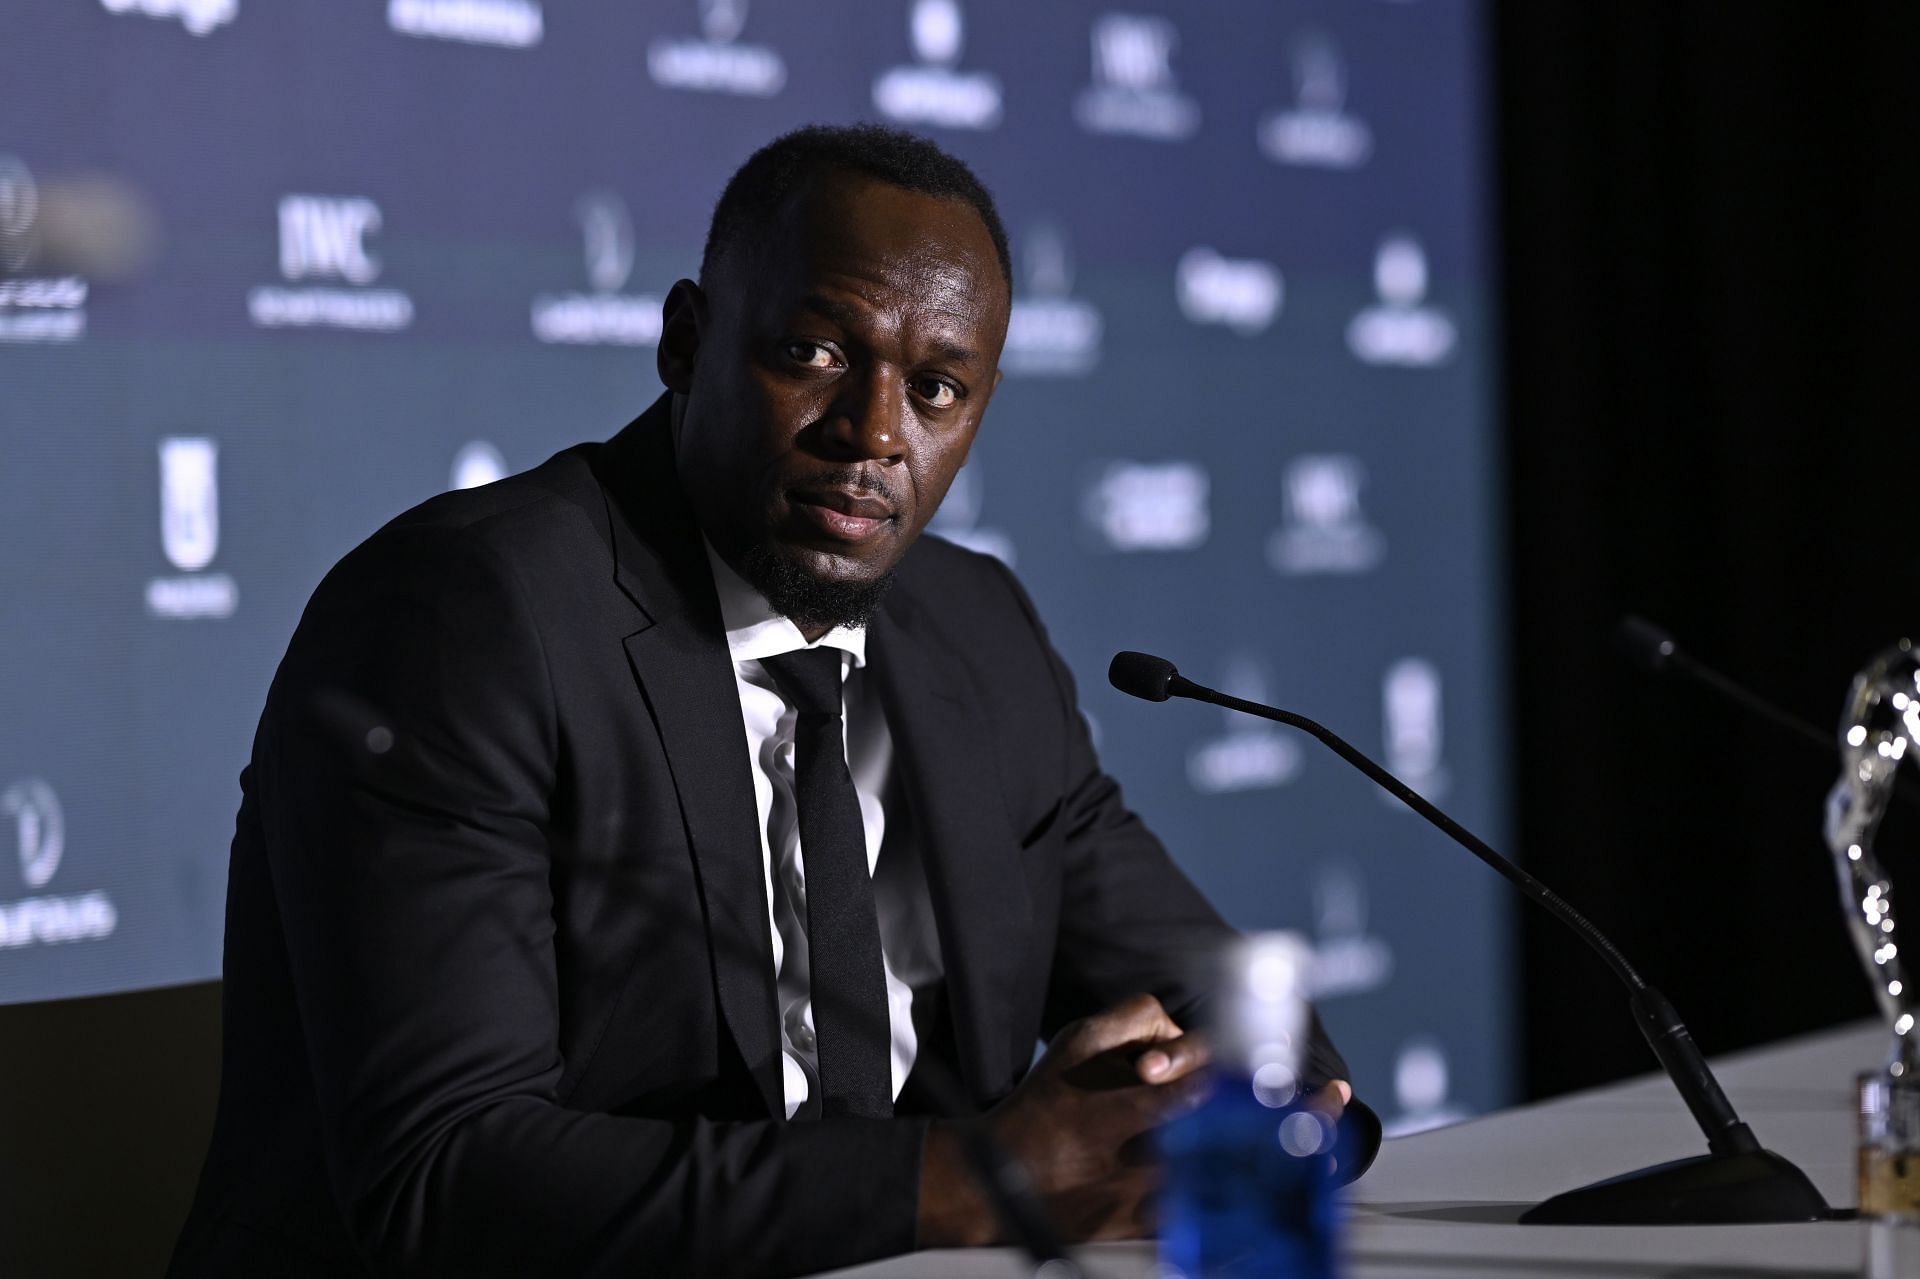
[(909, 944)]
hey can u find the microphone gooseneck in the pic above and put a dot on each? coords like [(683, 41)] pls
[(1744, 1183), (1648, 645), (1655, 649)]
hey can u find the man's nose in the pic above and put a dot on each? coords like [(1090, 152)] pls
[(866, 418)]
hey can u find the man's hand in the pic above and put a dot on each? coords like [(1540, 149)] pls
[(1078, 1124)]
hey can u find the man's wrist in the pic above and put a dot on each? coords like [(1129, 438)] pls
[(953, 1211)]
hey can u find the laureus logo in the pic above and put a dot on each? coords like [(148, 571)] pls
[(39, 828), (31, 813), (717, 62), (19, 213), (1317, 131), (608, 234), (604, 316), (1050, 332)]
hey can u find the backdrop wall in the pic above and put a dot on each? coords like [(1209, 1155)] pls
[(278, 271)]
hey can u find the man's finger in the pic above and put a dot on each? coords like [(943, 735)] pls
[(1172, 1059), (1331, 1099), (1133, 1021)]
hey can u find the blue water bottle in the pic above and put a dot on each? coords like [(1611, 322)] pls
[(1247, 1189)]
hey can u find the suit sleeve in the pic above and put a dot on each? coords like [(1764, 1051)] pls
[(405, 766), (1131, 920)]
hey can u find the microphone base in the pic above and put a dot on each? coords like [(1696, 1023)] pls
[(1708, 1190)]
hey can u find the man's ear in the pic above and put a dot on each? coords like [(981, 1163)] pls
[(683, 318)]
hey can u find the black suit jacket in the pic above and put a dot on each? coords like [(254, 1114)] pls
[(499, 981)]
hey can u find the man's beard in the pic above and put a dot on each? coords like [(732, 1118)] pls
[(808, 601)]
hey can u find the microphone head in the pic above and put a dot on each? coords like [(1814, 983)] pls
[(1142, 675), (1645, 643)]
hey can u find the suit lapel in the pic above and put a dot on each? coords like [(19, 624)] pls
[(944, 756), (679, 656)]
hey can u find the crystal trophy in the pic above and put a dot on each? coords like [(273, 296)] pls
[(1880, 729)]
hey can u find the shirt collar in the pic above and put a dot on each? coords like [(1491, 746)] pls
[(755, 631)]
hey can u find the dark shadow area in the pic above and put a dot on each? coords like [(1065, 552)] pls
[(1708, 217), (106, 1105), (1485, 1213)]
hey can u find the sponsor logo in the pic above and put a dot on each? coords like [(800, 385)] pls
[(958, 518), (190, 533), (934, 90), (1243, 294), (199, 17), (1422, 1084), (605, 316), (1317, 131), (1133, 90), (1410, 697), (510, 24), (477, 463), (1347, 959), (1401, 329), (32, 309), (1250, 754), (325, 237), (715, 61), (1148, 506), (1324, 530), (1049, 332), (30, 813)]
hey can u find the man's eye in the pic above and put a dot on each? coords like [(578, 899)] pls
[(941, 395), (811, 354)]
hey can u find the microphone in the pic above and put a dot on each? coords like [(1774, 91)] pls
[(1736, 1181), (1649, 646)]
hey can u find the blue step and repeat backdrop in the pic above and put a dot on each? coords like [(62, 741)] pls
[(273, 270)]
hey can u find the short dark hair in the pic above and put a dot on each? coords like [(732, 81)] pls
[(759, 189)]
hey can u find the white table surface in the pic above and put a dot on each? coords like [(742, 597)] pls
[(1443, 1204)]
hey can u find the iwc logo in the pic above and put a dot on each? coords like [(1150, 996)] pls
[(1133, 90), (716, 61), (190, 533), (32, 308), (934, 90), (1325, 530), (30, 815), (510, 24), (605, 316), (326, 238)]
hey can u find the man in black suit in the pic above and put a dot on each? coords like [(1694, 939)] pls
[(537, 965)]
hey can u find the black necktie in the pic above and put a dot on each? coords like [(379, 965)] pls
[(852, 1036)]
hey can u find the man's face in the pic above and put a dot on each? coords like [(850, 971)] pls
[(832, 379)]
